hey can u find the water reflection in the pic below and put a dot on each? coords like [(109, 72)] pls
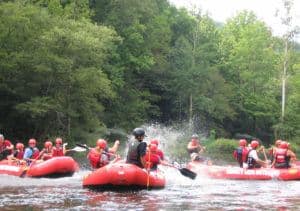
[(180, 193), (125, 200)]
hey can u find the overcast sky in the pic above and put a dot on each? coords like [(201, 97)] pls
[(220, 10)]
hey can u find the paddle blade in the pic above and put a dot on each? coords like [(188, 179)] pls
[(188, 173), (78, 149), (83, 146)]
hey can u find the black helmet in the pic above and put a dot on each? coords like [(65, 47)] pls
[(195, 136), (138, 132)]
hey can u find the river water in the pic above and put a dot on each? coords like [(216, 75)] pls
[(180, 193)]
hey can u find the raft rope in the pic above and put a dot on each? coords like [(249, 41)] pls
[(148, 170)]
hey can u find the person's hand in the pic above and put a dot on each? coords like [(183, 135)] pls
[(117, 142), (261, 149)]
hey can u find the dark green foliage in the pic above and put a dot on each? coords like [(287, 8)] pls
[(75, 68)]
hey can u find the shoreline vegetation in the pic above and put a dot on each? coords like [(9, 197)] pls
[(77, 68)]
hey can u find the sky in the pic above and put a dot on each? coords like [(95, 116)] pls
[(221, 10)]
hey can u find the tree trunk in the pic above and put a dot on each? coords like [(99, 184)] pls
[(191, 110), (284, 75)]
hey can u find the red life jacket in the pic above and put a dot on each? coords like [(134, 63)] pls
[(240, 154), (281, 156), (151, 161), (160, 154), (97, 160), (19, 155), (57, 152), (5, 144), (35, 153)]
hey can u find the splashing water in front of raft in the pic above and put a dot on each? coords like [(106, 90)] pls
[(180, 193)]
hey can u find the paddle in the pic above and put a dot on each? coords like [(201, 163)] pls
[(184, 171), (264, 152), (88, 148), (83, 146), (77, 149)]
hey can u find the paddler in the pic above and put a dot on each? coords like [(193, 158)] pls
[(253, 160), (137, 149)]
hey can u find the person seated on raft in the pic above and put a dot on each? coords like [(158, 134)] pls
[(31, 152), (18, 154), (283, 156), (137, 149), (158, 151), (194, 145), (46, 153), (6, 148), (273, 149), (100, 155), (252, 159), (59, 149), (152, 158), (240, 153)]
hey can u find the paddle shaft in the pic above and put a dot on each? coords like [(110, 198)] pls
[(89, 148), (266, 159), (148, 171), (184, 171)]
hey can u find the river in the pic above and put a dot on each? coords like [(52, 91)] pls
[(180, 193)]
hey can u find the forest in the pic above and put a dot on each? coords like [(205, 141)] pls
[(76, 68)]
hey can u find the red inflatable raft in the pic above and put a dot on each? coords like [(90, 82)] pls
[(229, 172), (123, 176), (54, 167)]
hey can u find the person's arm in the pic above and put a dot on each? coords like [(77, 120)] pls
[(10, 146), (262, 163), (273, 163), (256, 158), (202, 148), (64, 148), (292, 155), (115, 147), (41, 154)]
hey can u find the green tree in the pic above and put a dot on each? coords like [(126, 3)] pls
[(59, 84), (250, 65)]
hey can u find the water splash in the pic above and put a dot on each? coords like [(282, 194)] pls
[(173, 139)]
